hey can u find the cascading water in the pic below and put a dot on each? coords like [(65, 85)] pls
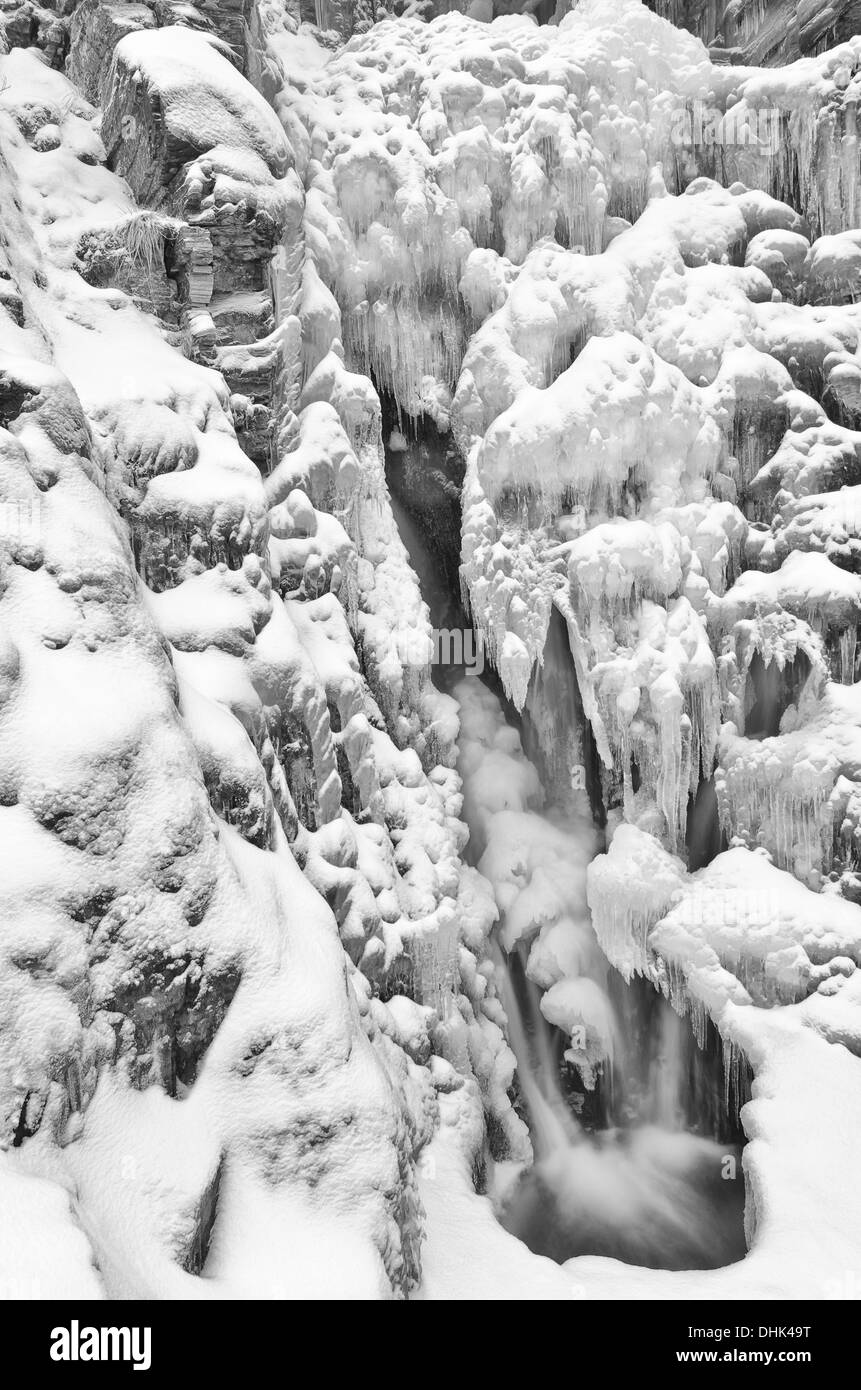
[(635, 1157), (600, 292), (648, 1192), (552, 1123)]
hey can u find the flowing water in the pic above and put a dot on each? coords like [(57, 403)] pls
[(643, 1164), (644, 1189)]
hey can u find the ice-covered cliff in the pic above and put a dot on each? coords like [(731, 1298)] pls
[(295, 304)]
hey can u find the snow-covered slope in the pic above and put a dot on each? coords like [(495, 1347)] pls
[(252, 855), (220, 848)]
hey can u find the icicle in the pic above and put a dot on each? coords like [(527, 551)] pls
[(433, 956), (848, 646), (735, 1069), (796, 828)]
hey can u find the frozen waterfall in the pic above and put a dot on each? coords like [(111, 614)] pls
[(430, 583)]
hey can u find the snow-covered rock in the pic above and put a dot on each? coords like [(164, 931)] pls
[(255, 272)]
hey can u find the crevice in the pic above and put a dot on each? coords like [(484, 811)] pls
[(705, 838), (207, 1213), (769, 692)]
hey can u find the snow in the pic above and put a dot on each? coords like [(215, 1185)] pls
[(468, 1256), (748, 945), (46, 1253), (207, 103), (149, 834), (253, 1024)]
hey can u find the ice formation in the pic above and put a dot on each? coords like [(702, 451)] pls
[(597, 281)]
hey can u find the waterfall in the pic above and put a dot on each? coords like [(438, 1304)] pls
[(650, 1176), (650, 1193), (666, 1068), (553, 1126), (634, 1156)]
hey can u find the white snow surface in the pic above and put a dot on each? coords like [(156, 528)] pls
[(251, 1043)]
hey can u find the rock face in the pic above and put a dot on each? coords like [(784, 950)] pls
[(215, 890), (776, 31), (586, 299)]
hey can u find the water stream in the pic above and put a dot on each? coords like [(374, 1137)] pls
[(648, 1191), (635, 1158)]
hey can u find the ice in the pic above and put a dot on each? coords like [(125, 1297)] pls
[(623, 918), (616, 281), (739, 933), (581, 1007)]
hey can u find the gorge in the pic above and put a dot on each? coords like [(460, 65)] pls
[(430, 704)]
